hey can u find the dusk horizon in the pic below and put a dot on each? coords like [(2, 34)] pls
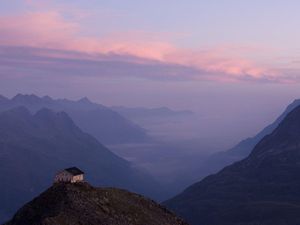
[(194, 104), (218, 63)]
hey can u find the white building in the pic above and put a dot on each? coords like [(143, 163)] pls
[(69, 175)]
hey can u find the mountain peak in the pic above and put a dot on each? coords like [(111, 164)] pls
[(47, 115), (21, 96), (45, 112), (80, 203), (291, 123), (47, 98), (84, 100), (286, 137), (25, 98)]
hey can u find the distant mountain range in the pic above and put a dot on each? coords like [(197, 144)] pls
[(263, 189), (141, 112), (108, 126), (33, 147), (78, 204)]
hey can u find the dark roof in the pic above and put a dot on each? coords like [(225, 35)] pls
[(74, 171)]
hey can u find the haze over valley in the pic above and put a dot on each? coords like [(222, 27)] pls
[(149, 112)]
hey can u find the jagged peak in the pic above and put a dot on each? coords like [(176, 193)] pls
[(291, 121), (19, 95), (50, 116), (47, 98), (26, 98), (84, 100), (286, 137)]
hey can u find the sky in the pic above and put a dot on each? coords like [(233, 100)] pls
[(235, 63)]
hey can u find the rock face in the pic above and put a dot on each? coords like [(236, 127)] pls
[(263, 189), (80, 203)]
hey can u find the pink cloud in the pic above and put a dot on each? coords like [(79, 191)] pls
[(218, 61), (47, 29), (51, 30)]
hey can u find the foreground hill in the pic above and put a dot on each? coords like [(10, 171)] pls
[(33, 147), (263, 189), (77, 204), (108, 126)]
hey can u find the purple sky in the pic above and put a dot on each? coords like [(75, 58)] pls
[(234, 63)]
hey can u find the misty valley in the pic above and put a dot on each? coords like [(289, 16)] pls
[(41, 135), (149, 112)]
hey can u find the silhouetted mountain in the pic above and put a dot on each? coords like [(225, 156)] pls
[(219, 160), (80, 203), (263, 189), (140, 112), (106, 125), (34, 147)]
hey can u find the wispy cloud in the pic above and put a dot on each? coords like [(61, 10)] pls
[(51, 30)]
